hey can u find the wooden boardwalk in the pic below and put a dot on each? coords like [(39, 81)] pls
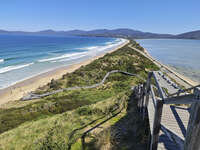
[(174, 119), (171, 126), (174, 123)]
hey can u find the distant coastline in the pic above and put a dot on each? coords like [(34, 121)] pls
[(116, 33)]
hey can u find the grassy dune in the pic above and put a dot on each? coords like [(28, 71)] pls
[(48, 123)]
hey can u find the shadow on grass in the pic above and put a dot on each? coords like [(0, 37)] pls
[(130, 132), (72, 141)]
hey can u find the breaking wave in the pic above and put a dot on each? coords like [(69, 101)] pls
[(61, 57), (10, 68), (1, 60)]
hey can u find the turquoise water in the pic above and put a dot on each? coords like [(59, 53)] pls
[(182, 55), (22, 57)]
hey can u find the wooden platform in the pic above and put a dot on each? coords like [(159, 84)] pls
[(172, 126), (174, 123), (174, 119)]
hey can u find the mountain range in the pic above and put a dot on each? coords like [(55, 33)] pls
[(122, 32)]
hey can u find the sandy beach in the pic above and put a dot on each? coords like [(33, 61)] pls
[(18, 90)]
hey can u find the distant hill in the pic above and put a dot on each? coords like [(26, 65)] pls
[(189, 35), (126, 33), (122, 32)]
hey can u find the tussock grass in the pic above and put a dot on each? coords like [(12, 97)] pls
[(54, 131)]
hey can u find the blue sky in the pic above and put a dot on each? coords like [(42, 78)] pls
[(160, 16)]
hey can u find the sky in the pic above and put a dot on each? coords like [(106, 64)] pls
[(159, 16)]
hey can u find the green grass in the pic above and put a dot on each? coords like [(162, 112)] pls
[(32, 123), (54, 131), (165, 90)]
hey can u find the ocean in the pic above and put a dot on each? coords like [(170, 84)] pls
[(181, 55), (22, 57)]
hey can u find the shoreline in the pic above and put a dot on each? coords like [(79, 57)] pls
[(180, 79), (19, 89), (185, 79)]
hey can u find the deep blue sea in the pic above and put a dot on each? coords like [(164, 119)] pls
[(22, 57), (181, 55)]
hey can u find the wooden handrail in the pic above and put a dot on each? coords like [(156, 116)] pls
[(183, 99), (158, 102), (31, 96), (156, 125), (160, 90), (153, 96), (184, 90), (192, 141)]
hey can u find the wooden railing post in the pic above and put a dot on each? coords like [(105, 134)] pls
[(83, 141), (137, 95), (147, 90), (140, 98), (156, 125), (143, 100), (192, 141)]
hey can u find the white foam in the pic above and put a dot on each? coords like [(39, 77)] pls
[(10, 68), (105, 47), (89, 48), (67, 59), (61, 57), (108, 43), (1, 60), (76, 57)]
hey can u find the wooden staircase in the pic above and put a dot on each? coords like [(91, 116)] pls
[(174, 118)]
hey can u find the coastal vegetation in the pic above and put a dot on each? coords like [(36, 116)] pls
[(58, 121)]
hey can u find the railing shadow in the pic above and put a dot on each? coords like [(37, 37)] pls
[(96, 126), (70, 143), (178, 107), (170, 140), (117, 110), (178, 119), (130, 132)]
